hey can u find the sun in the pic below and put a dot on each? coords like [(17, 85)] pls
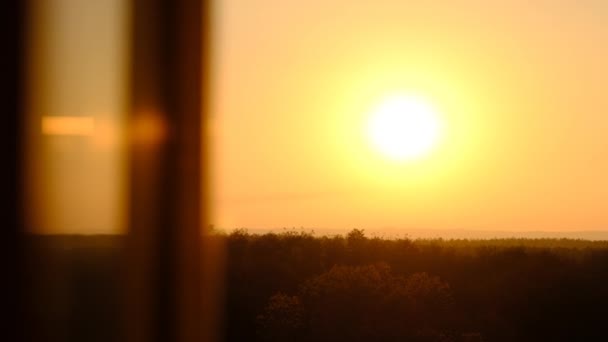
[(404, 128)]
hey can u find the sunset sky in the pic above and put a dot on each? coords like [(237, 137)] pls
[(518, 88)]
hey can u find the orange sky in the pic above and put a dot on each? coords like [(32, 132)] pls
[(520, 87), (520, 84)]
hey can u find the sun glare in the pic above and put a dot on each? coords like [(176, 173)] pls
[(404, 128)]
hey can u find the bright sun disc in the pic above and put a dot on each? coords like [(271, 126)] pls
[(404, 128)]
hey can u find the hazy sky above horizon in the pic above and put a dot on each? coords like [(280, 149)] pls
[(520, 87)]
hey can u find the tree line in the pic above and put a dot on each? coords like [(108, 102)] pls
[(296, 286)]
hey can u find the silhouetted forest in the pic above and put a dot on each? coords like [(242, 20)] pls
[(295, 286)]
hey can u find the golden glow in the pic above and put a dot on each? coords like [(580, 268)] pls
[(148, 129), (404, 127), (68, 125)]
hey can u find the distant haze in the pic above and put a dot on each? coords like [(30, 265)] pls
[(595, 235), (520, 85)]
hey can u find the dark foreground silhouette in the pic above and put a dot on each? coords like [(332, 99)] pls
[(297, 287)]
